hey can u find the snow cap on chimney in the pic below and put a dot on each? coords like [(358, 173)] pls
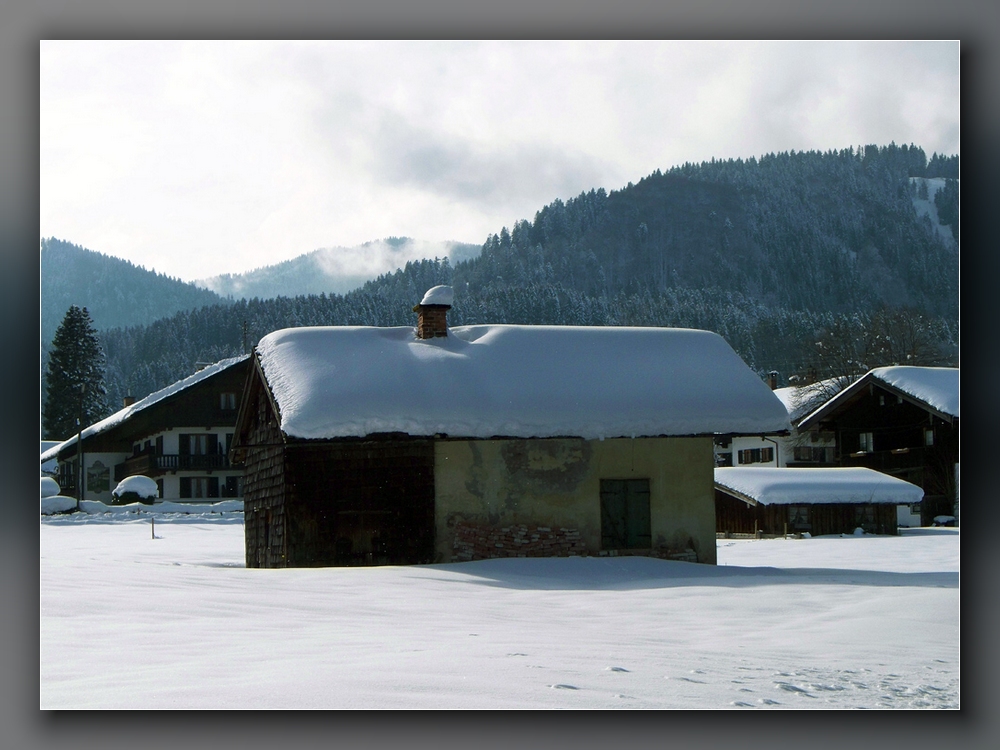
[(432, 319), (439, 295)]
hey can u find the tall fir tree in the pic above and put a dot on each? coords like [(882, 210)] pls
[(74, 386)]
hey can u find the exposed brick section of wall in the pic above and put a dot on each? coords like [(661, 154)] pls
[(481, 541)]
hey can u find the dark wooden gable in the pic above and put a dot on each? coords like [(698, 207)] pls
[(880, 427), (198, 405)]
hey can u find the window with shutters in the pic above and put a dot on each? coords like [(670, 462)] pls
[(199, 487), (756, 455), (200, 444), (625, 520)]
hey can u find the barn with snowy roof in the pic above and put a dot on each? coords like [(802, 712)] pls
[(404, 445), (902, 421), (819, 500)]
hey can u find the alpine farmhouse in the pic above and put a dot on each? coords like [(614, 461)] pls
[(365, 445)]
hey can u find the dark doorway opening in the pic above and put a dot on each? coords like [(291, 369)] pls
[(625, 520)]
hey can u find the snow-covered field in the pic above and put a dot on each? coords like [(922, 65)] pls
[(176, 621)]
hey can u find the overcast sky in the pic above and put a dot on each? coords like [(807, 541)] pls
[(199, 158)]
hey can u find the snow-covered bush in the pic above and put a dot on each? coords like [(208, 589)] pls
[(50, 487), (137, 489), (57, 504)]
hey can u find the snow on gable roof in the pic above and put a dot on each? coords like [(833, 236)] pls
[(791, 486), (515, 381), (123, 414), (799, 401), (937, 387)]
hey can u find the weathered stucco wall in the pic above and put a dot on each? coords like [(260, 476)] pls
[(499, 485)]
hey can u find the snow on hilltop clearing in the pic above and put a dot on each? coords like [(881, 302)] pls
[(177, 621)]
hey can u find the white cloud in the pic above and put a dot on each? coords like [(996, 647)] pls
[(200, 158)]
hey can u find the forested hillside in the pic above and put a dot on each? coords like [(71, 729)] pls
[(114, 291), (775, 254)]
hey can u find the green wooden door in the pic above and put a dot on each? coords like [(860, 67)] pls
[(625, 514)]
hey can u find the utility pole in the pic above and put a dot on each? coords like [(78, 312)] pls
[(244, 337)]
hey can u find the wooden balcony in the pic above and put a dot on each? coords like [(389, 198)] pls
[(151, 465)]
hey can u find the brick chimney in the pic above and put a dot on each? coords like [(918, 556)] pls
[(772, 379), (432, 312), (128, 400)]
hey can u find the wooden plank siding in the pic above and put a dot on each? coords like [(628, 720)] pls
[(264, 488), (341, 502), (361, 502), (738, 517)]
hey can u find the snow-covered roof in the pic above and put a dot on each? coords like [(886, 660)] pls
[(799, 401), (514, 381), (937, 387), (806, 486), (48, 465), (122, 414)]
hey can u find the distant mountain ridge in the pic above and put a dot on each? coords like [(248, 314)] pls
[(334, 270), (114, 291)]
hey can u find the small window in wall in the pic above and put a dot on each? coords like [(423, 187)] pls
[(625, 520), (928, 436), (865, 442), (756, 455), (227, 401), (810, 454), (798, 518)]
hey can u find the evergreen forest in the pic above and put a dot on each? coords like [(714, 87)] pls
[(116, 292)]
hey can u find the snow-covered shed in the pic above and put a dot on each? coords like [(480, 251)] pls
[(818, 500), (177, 436), (903, 421), (399, 445)]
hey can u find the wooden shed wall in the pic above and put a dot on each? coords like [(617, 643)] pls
[(360, 502), (737, 517), (264, 489)]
